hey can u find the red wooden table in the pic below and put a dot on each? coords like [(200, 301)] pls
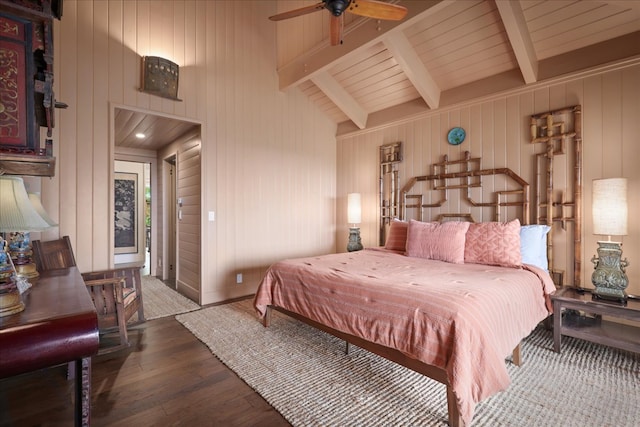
[(58, 325)]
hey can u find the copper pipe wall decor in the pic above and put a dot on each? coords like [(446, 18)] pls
[(390, 158), (561, 132)]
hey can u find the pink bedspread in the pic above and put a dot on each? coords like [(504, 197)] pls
[(463, 318)]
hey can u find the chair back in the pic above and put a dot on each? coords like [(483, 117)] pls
[(53, 254)]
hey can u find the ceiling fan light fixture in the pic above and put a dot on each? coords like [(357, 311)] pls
[(374, 9), (336, 7)]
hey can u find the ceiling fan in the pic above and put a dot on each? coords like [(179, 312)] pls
[(368, 8)]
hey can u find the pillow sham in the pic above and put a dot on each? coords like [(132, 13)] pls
[(440, 241), (533, 245), (397, 238), (494, 243)]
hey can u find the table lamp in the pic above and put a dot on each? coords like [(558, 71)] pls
[(17, 217), (609, 208), (35, 200), (354, 217)]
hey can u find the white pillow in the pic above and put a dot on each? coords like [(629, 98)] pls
[(533, 245)]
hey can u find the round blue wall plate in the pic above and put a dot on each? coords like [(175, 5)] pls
[(456, 136)]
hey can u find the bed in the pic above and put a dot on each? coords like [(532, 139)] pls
[(455, 322), (450, 300)]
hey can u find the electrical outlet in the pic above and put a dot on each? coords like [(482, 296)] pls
[(239, 278)]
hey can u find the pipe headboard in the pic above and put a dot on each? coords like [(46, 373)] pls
[(559, 206)]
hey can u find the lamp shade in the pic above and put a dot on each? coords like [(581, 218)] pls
[(609, 206), (37, 205), (354, 209), (16, 211)]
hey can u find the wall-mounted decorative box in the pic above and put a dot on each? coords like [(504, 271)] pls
[(160, 77)]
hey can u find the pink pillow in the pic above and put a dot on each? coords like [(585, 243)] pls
[(494, 243), (397, 238), (433, 240)]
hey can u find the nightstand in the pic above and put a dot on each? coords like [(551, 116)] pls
[(594, 329)]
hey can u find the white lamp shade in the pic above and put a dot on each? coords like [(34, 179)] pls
[(354, 209), (37, 205), (609, 206), (16, 211)]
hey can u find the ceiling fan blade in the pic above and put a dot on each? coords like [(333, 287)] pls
[(336, 30), (297, 12), (377, 9)]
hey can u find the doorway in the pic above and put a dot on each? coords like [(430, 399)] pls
[(132, 214), (167, 142)]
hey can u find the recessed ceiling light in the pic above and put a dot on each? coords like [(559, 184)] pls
[(140, 135)]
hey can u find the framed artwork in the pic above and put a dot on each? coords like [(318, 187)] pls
[(125, 213)]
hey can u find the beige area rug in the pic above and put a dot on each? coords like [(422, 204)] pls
[(162, 301), (307, 377)]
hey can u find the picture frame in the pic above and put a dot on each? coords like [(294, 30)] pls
[(125, 213)]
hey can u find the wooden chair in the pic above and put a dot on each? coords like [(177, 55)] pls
[(53, 254), (116, 293)]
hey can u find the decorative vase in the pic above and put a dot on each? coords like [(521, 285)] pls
[(609, 276), (355, 243)]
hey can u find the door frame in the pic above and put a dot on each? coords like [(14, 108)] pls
[(169, 217), (153, 156), (139, 156)]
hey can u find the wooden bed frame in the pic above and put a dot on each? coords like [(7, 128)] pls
[(557, 130), (393, 355)]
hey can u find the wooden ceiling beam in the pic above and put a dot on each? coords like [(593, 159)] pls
[(519, 37), (343, 100), (370, 32), (621, 49), (406, 56)]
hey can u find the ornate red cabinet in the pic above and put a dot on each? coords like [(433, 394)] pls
[(26, 86)]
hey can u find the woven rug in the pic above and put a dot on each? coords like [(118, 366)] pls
[(306, 375), (162, 301)]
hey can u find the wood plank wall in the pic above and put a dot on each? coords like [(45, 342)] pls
[(497, 130), (268, 158), (271, 169)]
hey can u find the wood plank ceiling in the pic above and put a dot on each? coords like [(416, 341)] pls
[(443, 52), (447, 51), (158, 130)]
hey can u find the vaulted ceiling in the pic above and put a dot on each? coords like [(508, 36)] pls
[(442, 53), (446, 52)]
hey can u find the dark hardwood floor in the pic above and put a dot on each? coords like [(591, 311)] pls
[(166, 378)]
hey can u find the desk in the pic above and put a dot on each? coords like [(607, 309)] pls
[(58, 325)]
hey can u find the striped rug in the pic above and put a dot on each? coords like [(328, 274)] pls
[(306, 375), (162, 301)]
